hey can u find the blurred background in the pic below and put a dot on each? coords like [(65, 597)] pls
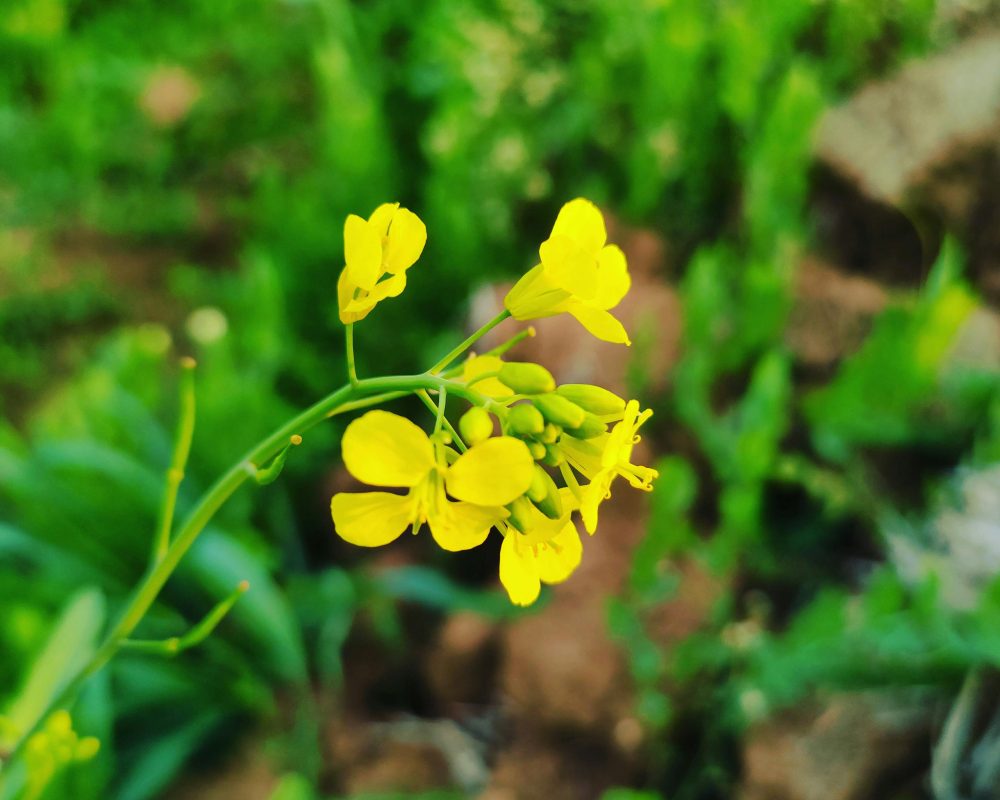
[(808, 191)]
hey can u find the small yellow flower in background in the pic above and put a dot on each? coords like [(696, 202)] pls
[(606, 457), (547, 551), (579, 274), (388, 243), (383, 449)]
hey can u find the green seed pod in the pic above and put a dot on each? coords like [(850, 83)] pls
[(553, 456), (519, 514), (545, 494), (524, 377), (591, 427), (537, 450), (476, 425), (594, 399), (560, 411), (525, 420), (551, 434)]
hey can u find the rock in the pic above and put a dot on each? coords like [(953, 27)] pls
[(925, 142), (853, 747), (832, 313), (892, 133)]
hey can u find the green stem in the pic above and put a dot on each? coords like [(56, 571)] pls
[(156, 576), (426, 398), (444, 362), (175, 473), (352, 372)]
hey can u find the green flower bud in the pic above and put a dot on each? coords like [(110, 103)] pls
[(524, 377), (537, 450), (545, 494), (87, 748), (560, 411), (591, 427), (476, 425), (553, 456), (525, 420), (594, 399), (519, 514), (550, 435)]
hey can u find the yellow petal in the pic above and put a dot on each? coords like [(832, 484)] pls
[(345, 294), (613, 280), (559, 558), (385, 449), (570, 267), (381, 219), (371, 519), (595, 493), (599, 322), (581, 221), (480, 365), (407, 237), (462, 526), (362, 252), (492, 473), (518, 571), (390, 287), (535, 295)]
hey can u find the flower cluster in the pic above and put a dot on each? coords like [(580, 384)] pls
[(528, 454)]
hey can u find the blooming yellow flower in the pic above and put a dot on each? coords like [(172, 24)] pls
[(604, 458), (579, 274), (549, 551), (386, 244), (383, 449)]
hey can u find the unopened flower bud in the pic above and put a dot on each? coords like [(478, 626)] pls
[(476, 425), (537, 450), (553, 456), (519, 514), (550, 435), (545, 494), (524, 377), (525, 420), (560, 411), (594, 399), (591, 427)]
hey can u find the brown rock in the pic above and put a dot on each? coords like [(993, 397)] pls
[(854, 747), (832, 313)]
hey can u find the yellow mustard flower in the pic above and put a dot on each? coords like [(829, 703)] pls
[(377, 253), (604, 458), (384, 449), (548, 551), (579, 274)]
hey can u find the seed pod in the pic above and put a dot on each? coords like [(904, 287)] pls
[(591, 427), (476, 425), (551, 434), (526, 378), (525, 420), (560, 411), (537, 450), (594, 399)]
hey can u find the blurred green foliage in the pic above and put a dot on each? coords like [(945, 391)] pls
[(173, 179)]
